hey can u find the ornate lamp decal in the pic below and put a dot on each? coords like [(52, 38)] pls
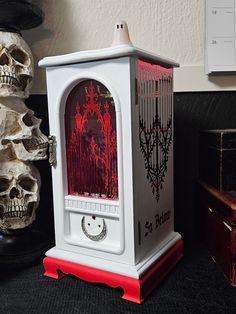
[(155, 121)]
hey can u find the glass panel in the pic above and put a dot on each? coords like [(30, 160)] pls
[(91, 143)]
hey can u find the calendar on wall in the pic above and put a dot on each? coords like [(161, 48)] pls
[(220, 36)]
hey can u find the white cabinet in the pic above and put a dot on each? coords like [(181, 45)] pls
[(111, 111)]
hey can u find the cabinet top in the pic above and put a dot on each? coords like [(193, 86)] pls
[(106, 54)]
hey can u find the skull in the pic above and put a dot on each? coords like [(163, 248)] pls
[(20, 135), (19, 194), (16, 65)]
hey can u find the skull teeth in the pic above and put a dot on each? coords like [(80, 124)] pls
[(16, 214), (16, 208), (8, 79), (17, 211), (34, 144)]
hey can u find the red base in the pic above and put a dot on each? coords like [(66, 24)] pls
[(135, 290)]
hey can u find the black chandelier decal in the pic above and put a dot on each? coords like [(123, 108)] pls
[(155, 140)]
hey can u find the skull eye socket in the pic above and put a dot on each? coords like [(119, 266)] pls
[(4, 184), (4, 59), (28, 119), (20, 56), (28, 184)]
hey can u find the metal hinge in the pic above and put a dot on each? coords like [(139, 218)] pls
[(52, 158)]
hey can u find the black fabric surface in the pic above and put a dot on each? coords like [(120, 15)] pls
[(196, 285)]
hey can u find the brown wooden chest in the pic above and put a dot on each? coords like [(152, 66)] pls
[(218, 158), (218, 219)]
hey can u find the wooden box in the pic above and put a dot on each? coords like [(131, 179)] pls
[(218, 158), (218, 220)]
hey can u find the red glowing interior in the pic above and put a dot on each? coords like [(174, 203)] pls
[(153, 69), (91, 142)]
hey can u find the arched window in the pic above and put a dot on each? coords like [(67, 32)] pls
[(91, 141)]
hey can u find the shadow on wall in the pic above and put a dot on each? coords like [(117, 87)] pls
[(195, 112), (53, 37), (41, 32)]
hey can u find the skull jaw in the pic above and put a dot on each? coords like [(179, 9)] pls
[(30, 155), (15, 220), (8, 153), (7, 90), (20, 131), (11, 150)]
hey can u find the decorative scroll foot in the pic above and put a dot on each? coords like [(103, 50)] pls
[(135, 290), (51, 268)]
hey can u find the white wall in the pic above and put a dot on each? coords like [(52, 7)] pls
[(171, 28)]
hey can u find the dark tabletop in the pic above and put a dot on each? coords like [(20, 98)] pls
[(195, 286)]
